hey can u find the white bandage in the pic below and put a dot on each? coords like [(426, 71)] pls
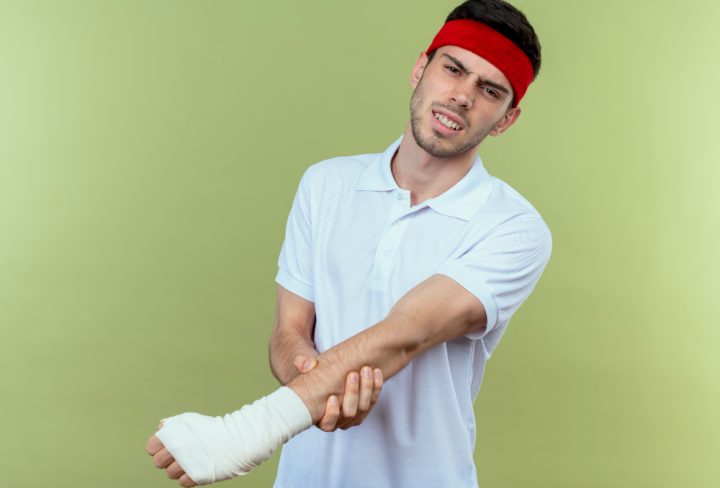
[(211, 449)]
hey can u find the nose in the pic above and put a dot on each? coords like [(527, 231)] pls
[(463, 95)]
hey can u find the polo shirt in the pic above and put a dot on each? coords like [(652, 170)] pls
[(354, 245)]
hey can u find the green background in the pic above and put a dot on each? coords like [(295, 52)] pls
[(149, 153)]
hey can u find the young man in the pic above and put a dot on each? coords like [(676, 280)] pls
[(411, 261)]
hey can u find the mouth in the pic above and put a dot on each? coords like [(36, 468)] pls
[(447, 124)]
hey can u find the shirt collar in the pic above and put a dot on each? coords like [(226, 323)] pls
[(462, 200), (378, 175)]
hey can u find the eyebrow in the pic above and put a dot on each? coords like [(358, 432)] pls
[(481, 81)]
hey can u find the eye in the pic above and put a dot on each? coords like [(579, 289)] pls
[(452, 69), (491, 92)]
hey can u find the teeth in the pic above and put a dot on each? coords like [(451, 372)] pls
[(446, 122)]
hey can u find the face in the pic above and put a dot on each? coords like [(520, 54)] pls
[(459, 99)]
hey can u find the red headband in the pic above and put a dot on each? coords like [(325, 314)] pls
[(489, 44)]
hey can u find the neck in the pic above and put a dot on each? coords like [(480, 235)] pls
[(424, 175)]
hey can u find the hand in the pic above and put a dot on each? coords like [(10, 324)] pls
[(362, 390), (162, 459)]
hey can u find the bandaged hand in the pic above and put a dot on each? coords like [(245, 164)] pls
[(198, 449)]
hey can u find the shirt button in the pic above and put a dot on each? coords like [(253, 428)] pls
[(400, 196)]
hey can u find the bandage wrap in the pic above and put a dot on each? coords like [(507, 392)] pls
[(211, 449)]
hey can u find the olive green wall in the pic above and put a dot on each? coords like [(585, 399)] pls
[(149, 153)]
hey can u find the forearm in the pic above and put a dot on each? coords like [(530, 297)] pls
[(285, 345), (433, 312), (430, 314)]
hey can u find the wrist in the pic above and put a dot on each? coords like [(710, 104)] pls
[(315, 386)]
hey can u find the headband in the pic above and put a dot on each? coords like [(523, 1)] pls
[(489, 44)]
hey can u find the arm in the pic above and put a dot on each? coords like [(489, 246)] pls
[(291, 344), (435, 311), (291, 347), (492, 274), (292, 335), (488, 280)]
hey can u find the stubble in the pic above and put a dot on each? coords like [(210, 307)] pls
[(433, 143)]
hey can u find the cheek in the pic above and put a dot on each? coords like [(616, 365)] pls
[(489, 117), (432, 90)]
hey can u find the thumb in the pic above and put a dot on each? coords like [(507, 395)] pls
[(304, 364)]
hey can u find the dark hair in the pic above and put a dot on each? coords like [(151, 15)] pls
[(507, 20)]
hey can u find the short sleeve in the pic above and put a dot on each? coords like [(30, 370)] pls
[(502, 268), (295, 261)]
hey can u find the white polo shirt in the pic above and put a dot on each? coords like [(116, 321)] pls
[(354, 245)]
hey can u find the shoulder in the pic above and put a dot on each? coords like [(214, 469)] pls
[(504, 199), (339, 170), (507, 211)]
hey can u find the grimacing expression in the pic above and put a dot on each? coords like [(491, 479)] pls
[(447, 91)]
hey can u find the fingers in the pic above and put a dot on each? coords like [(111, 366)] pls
[(304, 363), (366, 389), (332, 412), (350, 397), (174, 470), (362, 413), (154, 445), (162, 459), (378, 384), (186, 481)]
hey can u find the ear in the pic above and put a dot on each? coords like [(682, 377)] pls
[(508, 119), (418, 70)]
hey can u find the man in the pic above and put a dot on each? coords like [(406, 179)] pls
[(411, 261)]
